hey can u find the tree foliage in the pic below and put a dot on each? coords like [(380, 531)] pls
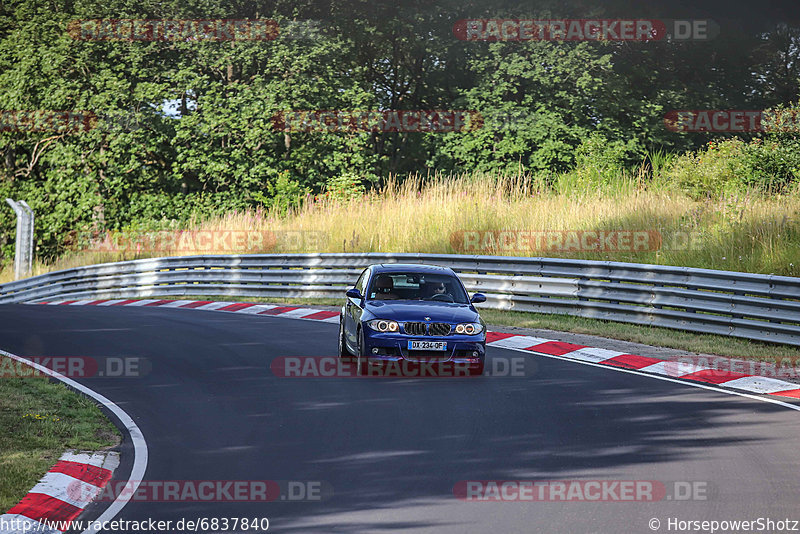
[(186, 128)]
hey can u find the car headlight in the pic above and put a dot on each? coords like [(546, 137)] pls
[(383, 325), (470, 329)]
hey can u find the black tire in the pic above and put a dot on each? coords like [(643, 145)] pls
[(344, 352), (361, 356)]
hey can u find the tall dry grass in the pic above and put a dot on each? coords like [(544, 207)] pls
[(745, 232)]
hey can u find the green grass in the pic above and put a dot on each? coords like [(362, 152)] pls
[(39, 420), (730, 347)]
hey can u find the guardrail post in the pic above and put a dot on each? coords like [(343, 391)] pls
[(23, 246)]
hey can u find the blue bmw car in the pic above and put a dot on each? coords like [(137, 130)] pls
[(409, 316)]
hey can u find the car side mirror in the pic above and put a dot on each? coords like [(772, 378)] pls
[(354, 294), (477, 298)]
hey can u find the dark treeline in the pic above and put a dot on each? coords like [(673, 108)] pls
[(187, 128)]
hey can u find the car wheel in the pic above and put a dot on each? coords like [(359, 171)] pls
[(344, 353), (361, 356)]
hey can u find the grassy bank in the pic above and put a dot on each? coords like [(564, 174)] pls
[(39, 420), (743, 231)]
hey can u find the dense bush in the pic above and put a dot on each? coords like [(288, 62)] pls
[(771, 165), (733, 165), (284, 195), (347, 186), (710, 172)]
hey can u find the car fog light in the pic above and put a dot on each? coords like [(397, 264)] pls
[(474, 353)]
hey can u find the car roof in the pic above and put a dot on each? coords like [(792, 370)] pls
[(410, 268)]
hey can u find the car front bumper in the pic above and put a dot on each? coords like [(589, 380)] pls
[(464, 354)]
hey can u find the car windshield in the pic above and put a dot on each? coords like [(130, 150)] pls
[(417, 286)]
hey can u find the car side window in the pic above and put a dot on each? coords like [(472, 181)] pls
[(361, 285)]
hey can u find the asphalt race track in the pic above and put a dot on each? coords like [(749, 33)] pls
[(392, 450)]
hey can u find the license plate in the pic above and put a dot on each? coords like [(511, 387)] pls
[(427, 345)]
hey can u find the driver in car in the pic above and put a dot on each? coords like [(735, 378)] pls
[(439, 288)]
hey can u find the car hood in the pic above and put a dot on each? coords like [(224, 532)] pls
[(411, 310)]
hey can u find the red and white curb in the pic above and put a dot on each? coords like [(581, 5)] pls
[(643, 364), (292, 312), (125, 422), (62, 494)]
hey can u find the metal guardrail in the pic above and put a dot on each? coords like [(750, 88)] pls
[(751, 306)]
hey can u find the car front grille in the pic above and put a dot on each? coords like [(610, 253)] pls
[(439, 329), (427, 329)]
